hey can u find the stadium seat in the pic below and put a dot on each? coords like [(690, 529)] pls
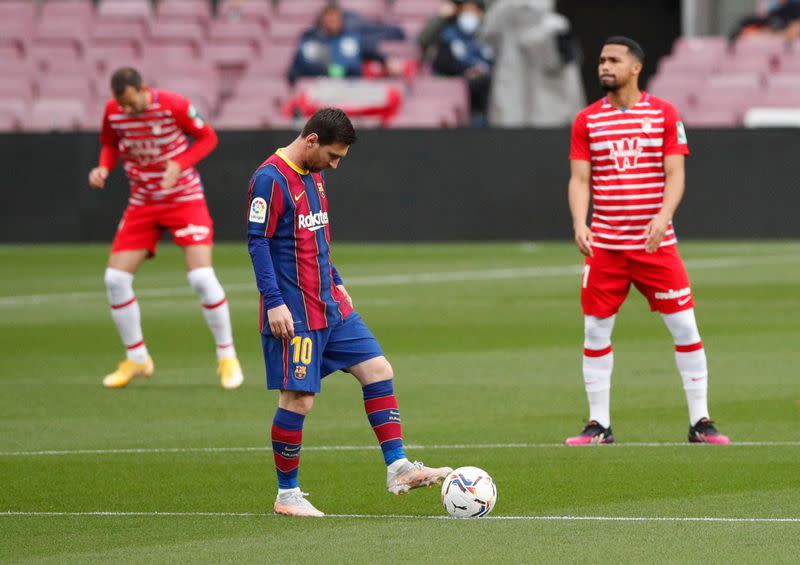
[(711, 46), (712, 117), (15, 37), (128, 10), (236, 11), (15, 108), (249, 114), (109, 57), (77, 86), (22, 12), (112, 32), (305, 12), (452, 91), (55, 114), (375, 10), (783, 80), (750, 62), (9, 122), (741, 81), (415, 9), (287, 32), (61, 34), (79, 11), (789, 63), (402, 49), (269, 90), (760, 45), (48, 56), (683, 64), (180, 11), (169, 54), (9, 51), (19, 87), (274, 61), (424, 113), (772, 117), (177, 35), (778, 97)]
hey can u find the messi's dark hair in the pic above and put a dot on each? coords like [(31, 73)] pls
[(331, 126), (635, 49), (123, 78)]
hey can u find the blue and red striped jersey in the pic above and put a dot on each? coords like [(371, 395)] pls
[(288, 210)]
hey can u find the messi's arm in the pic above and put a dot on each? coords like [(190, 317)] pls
[(674, 187), (109, 155), (205, 140), (266, 206)]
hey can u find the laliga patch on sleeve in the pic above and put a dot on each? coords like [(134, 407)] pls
[(258, 210), (199, 121), (681, 133)]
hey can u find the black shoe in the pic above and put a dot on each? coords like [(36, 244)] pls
[(705, 432), (592, 434)]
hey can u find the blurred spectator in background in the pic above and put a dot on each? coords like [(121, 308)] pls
[(461, 53), (428, 38), (537, 79), (782, 19), (333, 49)]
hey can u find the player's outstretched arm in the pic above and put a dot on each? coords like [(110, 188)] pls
[(674, 187), (579, 197)]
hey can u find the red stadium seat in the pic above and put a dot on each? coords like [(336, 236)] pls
[(237, 11), (195, 11), (51, 114)]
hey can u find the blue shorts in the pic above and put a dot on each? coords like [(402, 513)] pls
[(302, 362)]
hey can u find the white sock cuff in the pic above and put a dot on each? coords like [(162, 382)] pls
[(119, 286), (204, 282)]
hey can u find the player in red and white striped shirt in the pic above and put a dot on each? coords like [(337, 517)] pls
[(149, 129), (627, 158)]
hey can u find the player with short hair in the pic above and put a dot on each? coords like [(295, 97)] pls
[(149, 130), (627, 157), (308, 326)]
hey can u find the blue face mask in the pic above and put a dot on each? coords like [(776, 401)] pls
[(468, 22)]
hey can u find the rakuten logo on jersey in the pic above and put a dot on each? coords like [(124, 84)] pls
[(312, 222), (625, 152)]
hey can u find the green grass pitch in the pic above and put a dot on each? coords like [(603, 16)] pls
[(486, 342)]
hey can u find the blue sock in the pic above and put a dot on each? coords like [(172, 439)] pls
[(287, 438), (384, 417)]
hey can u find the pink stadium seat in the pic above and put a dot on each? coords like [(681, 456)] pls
[(778, 98), (274, 61), (760, 45), (15, 37), (223, 54), (740, 81), (66, 86), (169, 54), (732, 100), (305, 12), (109, 57), (49, 56), (783, 80), (757, 63), (19, 11), (411, 25), (701, 46), (9, 122), (271, 91), (683, 64), (712, 117), (452, 91), (233, 33), (403, 49), (287, 32), (177, 34), (681, 98), (789, 64), (370, 9), (17, 87), (236, 11), (127, 10), (61, 34), (417, 9), (49, 114), (79, 11), (9, 51), (113, 32), (195, 11), (15, 106)]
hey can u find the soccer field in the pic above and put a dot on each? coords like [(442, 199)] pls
[(486, 343)]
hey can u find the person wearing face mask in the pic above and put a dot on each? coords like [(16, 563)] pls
[(461, 53)]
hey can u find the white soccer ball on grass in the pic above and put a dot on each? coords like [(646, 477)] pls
[(469, 492)]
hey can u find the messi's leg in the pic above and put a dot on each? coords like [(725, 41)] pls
[(351, 346), (293, 368), (135, 241), (192, 229)]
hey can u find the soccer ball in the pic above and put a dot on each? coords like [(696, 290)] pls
[(468, 492)]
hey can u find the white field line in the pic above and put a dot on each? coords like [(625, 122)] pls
[(137, 450), (401, 279), (736, 520)]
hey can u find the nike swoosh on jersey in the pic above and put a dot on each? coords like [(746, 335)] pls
[(299, 196)]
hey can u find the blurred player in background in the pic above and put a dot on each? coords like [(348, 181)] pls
[(148, 128), (308, 325), (627, 156)]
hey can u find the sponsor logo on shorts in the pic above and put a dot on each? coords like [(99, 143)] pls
[(683, 295), (258, 210), (300, 372), (198, 233)]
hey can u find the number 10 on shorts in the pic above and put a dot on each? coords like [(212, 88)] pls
[(301, 350)]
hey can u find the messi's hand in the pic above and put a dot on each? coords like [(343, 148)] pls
[(343, 290), (280, 322)]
